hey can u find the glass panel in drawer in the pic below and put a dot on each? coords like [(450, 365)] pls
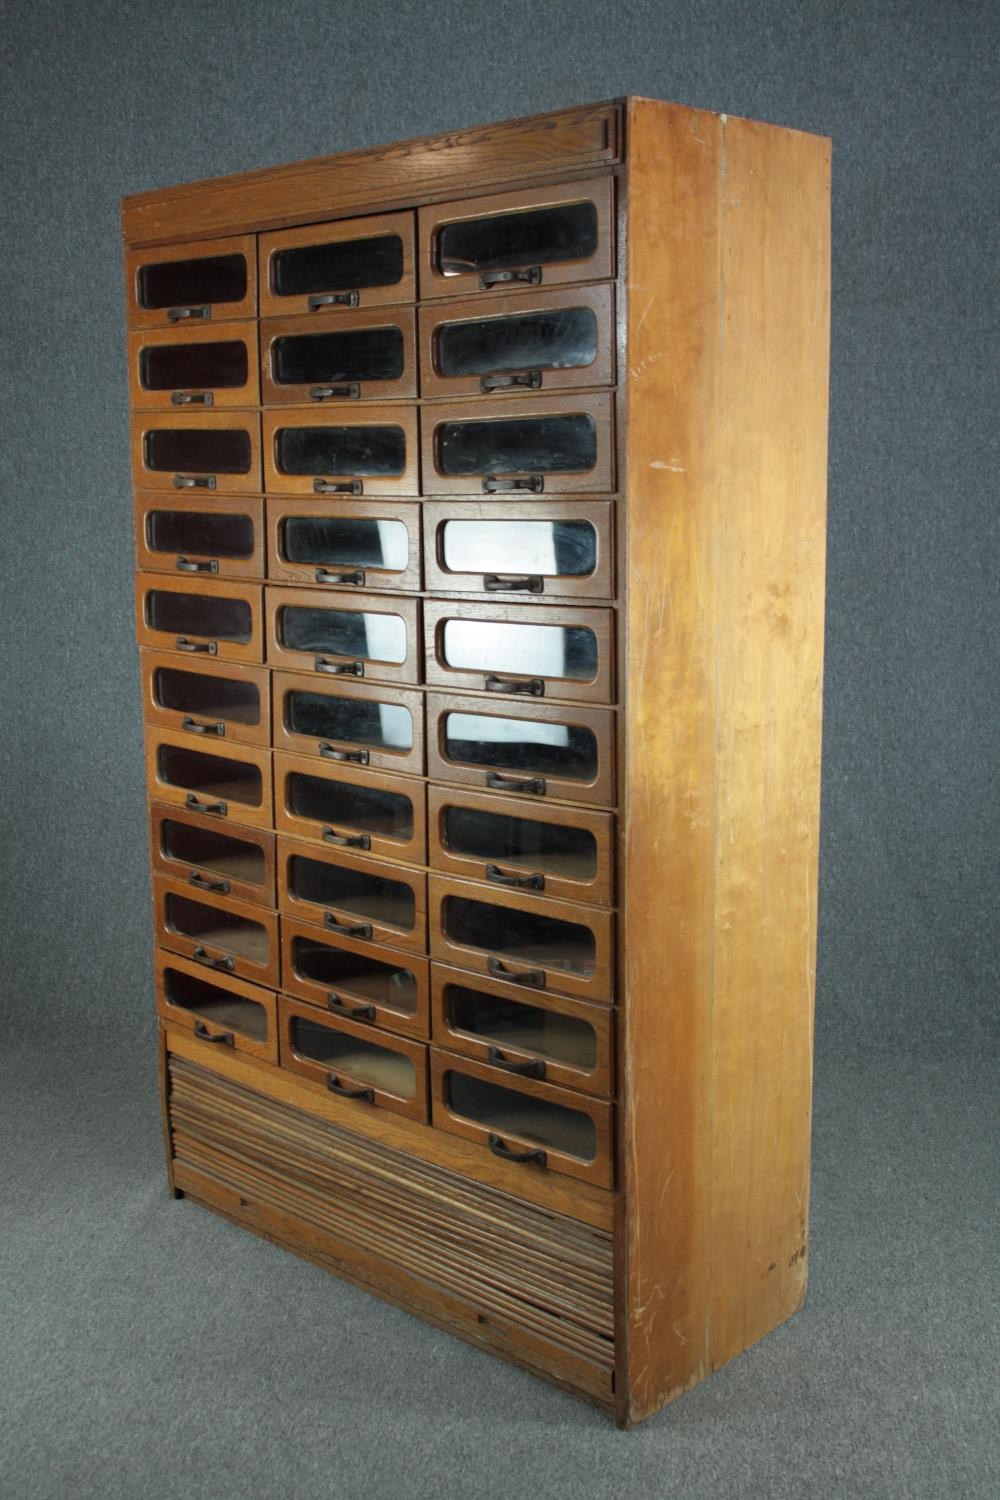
[(198, 450), (212, 776), (356, 974), (220, 534), (510, 1111), (358, 721), (564, 444), (527, 936), (525, 746), (521, 843), (355, 633), (190, 287), (212, 1002), (343, 804), (344, 542), (336, 356), (563, 339), (331, 268), (569, 1040), (217, 927), (382, 1067), (551, 547), (189, 843), (215, 616), (220, 365), (499, 646), (526, 650), (374, 450), (361, 892), (197, 279), (376, 260)]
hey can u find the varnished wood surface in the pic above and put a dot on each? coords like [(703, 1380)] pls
[(215, 948), (410, 761), (292, 659), (396, 414), (225, 801), (216, 648), (330, 232)]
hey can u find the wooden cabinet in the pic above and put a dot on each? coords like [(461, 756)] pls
[(479, 514)]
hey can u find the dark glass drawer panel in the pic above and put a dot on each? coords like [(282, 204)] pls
[(387, 726), (546, 847), (222, 852), (521, 745), (348, 541), (169, 367), (214, 775), (510, 445), (213, 697), (563, 339), (203, 532), (526, 935), (348, 806), (356, 891), (199, 450), (216, 927), (210, 278), (511, 1112), (354, 354), (564, 651), (371, 451), (343, 632), (381, 1067), (212, 1003), (528, 1028), (536, 237), (549, 549), (382, 983), (199, 614), (344, 265)]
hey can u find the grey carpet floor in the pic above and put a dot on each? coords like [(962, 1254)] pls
[(150, 1349)]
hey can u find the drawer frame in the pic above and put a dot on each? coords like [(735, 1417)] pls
[(600, 585), (197, 725), (510, 484), (346, 923), (599, 689), (213, 957), (375, 414), (194, 398), (336, 231), (412, 851), (163, 863), (402, 388), (251, 651), (294, 1062), (217, 312), (409, 762), (333, 664), (197, 481), (379, 580), (167, 794), (214, 1031), (415, 1023), (200, 564)]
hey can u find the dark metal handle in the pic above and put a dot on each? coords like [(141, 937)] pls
[(194, 482), (208, 647), (349, 392), (193, 805), (535, 785), (516, 882), (528, 379), (529, 687), (346, 840), (332, 299), (531, 274), (533, 1069), (538, 1156), (494, 486), (185, 565), (183, 314), (355, 757), (191, 398), (531, 583), (202, 956), (352, 1012), (331, 487), (533, 979), (347, 929), (225, 1037), (204, 884), (194, 727), (339, 668), (356, 578), (335, 1086)]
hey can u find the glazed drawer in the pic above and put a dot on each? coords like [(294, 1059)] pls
[(223, 782), (546, 548), (523, 1120), (350, 544), (361, 981), (218, 932), (200, 535), (541, 1036), (520, 650), (200, 450), (353, 895), (200, 617), (194, 365), (219, 1010), (213, 700), (564, 852), (561, 752), (355, 450), (348, 807), (528, 940), (529, 237), (374, 636), (210, 281), (359, 356), (354, 1061), (353, 723), (525, 341), (518, 446), (230, 861), (331, 268)]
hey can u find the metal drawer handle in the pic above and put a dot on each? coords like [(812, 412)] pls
[(194, 481), (349, 392), (529, 687), (339, 668), (185, 565), (538, 1156), (533, 1069), (225, 1037), (535, 483), (530, 583), (335, 1086), (191, 398), (208, 647), (202, 956), (204, 884), (357, 578), (354, 757), (531, 274), (194, 726), (183, 314), (219, 809), (332, 299), (535, 785), (347, 929), (346, 840), (331, 487), (352, 1012), (516, 882), (528, 379), (533, 979)]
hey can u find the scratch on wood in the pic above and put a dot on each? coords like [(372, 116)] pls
[(672, 465)]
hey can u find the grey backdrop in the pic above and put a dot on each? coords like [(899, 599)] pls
[(101, 98)]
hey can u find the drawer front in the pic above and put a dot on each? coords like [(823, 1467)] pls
[(527, 940), (537, 750), (357, 356), (354, 1061), (364, 982), (540, 1036), (536, 341), (350, 723), (199, 617), (520, 650), (176, 286), (221, 1011), (332, 268), (518, 446), (348, 544), (529, 237), (564, 852), (230, 861), (536, 1124), (547, 548), (213, 452), (350, 808), (226, 783), (200, 536), (194, 365), (352, 895), (221, 935), (355, 450), (210, 700), (335, 635)]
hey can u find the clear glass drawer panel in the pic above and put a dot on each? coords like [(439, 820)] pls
[(521, 843), (343, 632), (220, 852), (521, 745), (212, 775), (380, 1067), (355, 891), (529, 1028), (514, 445), (199, 614), (365, 451), (212, 1003), (169, 367), (355, 973), (216, 927), (510, 1112), (209, 278), (549, 549), (528, 936), (204, 532), (360, 721), (563, 339), (198, 450), (345, 541), (536, 237), (563, 651), (212, 697), (354, 354), (344, 265), (347, 806)]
